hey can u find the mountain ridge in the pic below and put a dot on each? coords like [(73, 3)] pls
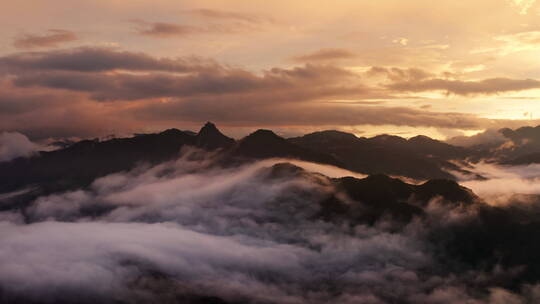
[(80, 163)]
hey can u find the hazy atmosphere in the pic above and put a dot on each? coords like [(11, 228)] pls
[(238, 152), (95, 68)]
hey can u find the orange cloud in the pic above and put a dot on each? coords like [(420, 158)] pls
[(325, 55), (222, 14), (163, 29), (53, 38), (459, 87), (62, 93)]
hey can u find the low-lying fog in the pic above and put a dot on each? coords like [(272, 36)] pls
[(188, 228)]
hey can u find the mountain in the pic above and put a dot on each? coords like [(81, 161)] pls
[(369, 199), (476, 235), (430, 147), (377, 214), (380, 195), (419, 157), (522, 148), (266, 144), (82, 162), (210, 138), (512, 147)]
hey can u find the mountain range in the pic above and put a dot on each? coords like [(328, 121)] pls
[(77, 164), (81, 162), (462, 232)]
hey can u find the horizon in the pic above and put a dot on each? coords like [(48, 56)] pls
[(359, 67), (269, 152), (248, 131)]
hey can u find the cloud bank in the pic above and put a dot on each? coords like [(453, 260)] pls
[(13, 145), (52, 88), (186, 230)]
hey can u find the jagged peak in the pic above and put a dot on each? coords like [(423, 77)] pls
[(209, 126), (211, 138)]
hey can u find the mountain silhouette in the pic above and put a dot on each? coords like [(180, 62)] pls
[(266, 144), (418, 157), (371, 198), (381, 195), (482, 235), (80, 163), (210, 138)]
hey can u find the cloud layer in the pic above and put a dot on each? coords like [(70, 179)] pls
[(460, 63), (186, 229), (54, 87)]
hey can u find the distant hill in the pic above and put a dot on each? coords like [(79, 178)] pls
[(266, 144), (376, 196), (419, 157), (78, 164), (82, 162)]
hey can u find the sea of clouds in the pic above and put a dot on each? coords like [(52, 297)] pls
[(186, 229)]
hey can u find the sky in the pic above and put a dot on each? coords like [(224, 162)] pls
[(440, 68)]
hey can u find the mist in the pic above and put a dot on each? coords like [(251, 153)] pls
[(188, 229), (13, 145), (502, 182)]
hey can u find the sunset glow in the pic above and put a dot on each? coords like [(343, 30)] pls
[(442, 69), (269, 152)]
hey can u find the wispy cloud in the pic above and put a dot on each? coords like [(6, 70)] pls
[(231, 15), (325, 55), (13, 145), (53, 38)]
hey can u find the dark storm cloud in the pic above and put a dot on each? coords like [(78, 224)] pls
[(53, 38), (89, 59), (460, 87), (325, 55)]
